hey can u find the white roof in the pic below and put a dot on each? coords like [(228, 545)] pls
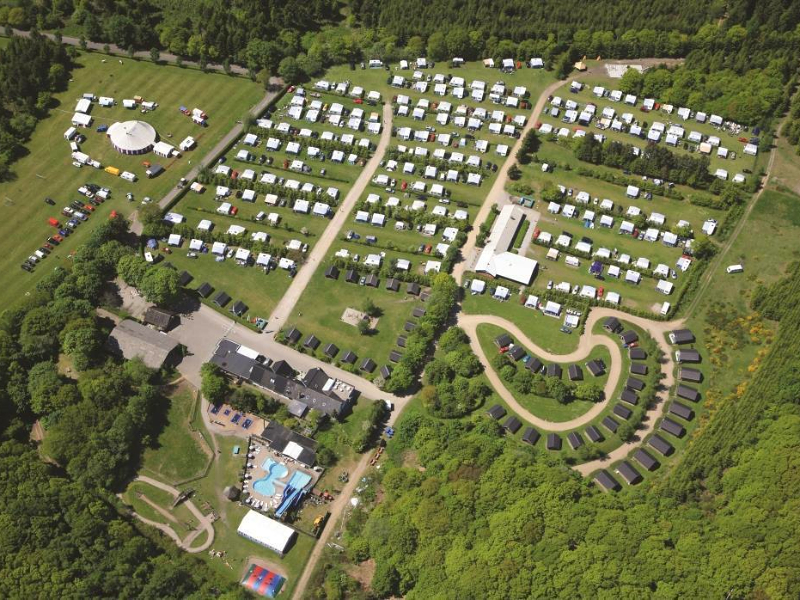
[(265, 531), (132, 136)]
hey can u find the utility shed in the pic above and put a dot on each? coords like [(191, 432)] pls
[(497, 412), (530, 436), (661, 445)]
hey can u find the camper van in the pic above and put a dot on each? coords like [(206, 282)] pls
[(735, 269), (665, 309)]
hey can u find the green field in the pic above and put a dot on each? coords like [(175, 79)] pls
[(543, 407), (542, 329), (183, 521), (323, 302), (47, 170), (178, 453)]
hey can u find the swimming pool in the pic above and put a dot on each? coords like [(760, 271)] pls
[(275, 471)]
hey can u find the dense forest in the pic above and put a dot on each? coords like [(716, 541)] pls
[(468, 514), (61, 533), (739, 54), (30, 70)]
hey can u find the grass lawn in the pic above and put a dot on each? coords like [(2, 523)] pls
[(323, 302), (46, 170), (179, 453), (548, 408), (258, 290), (542, 329)]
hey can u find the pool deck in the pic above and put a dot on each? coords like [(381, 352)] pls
[(264, 458)]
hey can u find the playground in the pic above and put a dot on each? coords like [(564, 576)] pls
[(273, 482)]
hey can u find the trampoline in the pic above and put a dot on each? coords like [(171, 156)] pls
[(263, 582)]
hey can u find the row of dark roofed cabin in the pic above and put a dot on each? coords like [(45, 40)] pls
[(372, 280), (386, 371), (205, 290), (349, 357), (575, 440), (691, 375), (610, 424), (607, 482), (401, 341), (312, 342), (331, 350), (644, 458), (681, 336), (629, 396), (681, 410), (637, 353), (612, 325), (530, 436), (512, 424), (553, 441), (687, 393), (638, 368), (222, 299), (332, 272), (351, 276), (503, 340), (497, 412), (629, 337), (593, 433), (672, 427), (418, 312), (628, 473), (595, 367), (554, 370), (395, 356), (635, 384), (293, 335), (688, 355), (574, 373), (239, 308), (661, 445), (535, 365), (516, 352), (413, 289), (368, 365), (622, 411), (185, 278), (392, 284), (410, 326)]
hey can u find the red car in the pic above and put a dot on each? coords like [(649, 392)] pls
[(88, 207), (53, 222), (600, 292), (234, 210), (358, 101)]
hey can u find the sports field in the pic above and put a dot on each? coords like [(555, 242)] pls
[(47, 170)]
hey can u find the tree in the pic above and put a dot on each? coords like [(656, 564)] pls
[(514, 172), (437, 47), (625, 431), (160, 285), (289, 70), (106, 49), (130, 52), (590, 392), (558, 390), (44, 384), (155, 55), (214, 385), (132, 269), (704, 248), (363, 326), (82, 344), (82, 43), (370, 308), (226, 65)]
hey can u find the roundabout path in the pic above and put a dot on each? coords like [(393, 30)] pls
[(587, 342), (656, 329)]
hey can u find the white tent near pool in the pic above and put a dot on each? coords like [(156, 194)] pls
[(265, 531)]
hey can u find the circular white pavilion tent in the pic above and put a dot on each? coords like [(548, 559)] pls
[(132, 137)]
